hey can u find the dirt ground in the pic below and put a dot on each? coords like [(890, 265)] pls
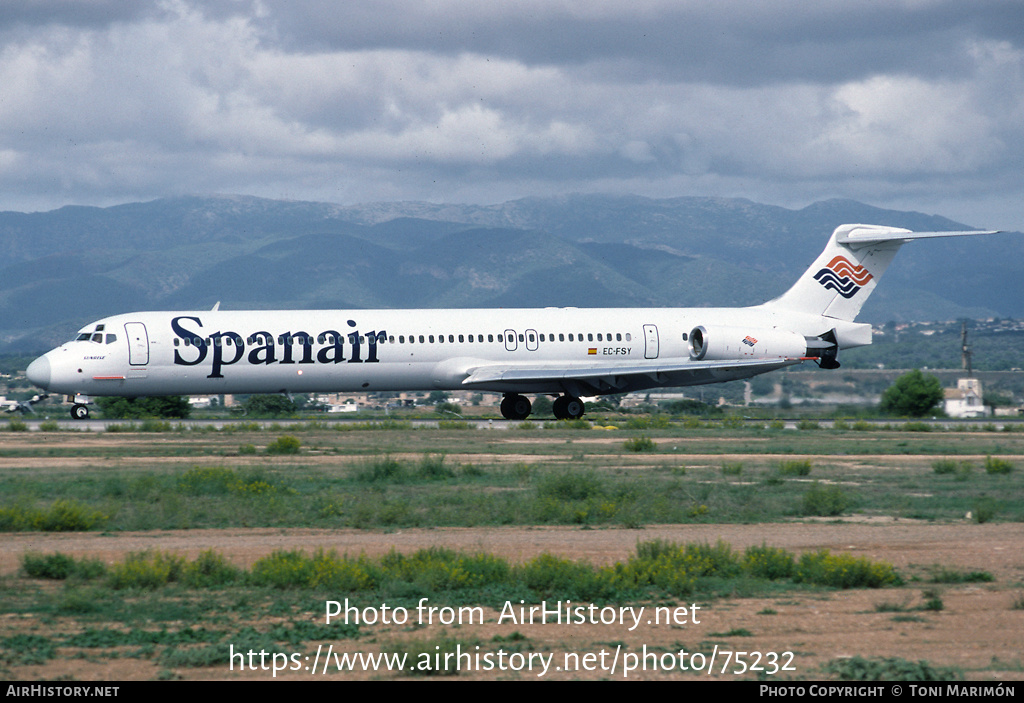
[(979, 630)]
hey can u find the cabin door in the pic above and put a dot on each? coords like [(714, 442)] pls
[(138, 343), (650, 341)]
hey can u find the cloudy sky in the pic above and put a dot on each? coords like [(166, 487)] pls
[(912, 104)]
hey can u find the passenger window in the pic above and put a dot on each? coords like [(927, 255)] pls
[(629, 337), (461, 339)]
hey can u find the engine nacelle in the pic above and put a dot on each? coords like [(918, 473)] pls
[(739, 343)]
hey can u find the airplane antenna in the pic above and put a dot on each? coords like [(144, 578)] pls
[(216, 307)]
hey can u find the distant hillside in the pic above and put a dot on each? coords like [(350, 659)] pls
[(62, 269)]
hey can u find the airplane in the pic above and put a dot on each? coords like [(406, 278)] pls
[(568, 353)]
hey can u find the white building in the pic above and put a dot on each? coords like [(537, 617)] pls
[(966, 399)]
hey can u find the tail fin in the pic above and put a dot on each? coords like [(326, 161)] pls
[(840, 280)]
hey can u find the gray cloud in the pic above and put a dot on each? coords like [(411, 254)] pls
[(917, 104)]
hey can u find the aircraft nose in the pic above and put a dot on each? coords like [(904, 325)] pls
[(39, 372)]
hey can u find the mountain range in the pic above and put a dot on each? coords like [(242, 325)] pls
[(60, 270)]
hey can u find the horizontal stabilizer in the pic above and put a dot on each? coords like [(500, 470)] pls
[(862, 234)]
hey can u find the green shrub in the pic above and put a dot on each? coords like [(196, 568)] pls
[(285, 444), (60, 567), (732, 468), (570, 485), (995, 465), (795, 467), (825, 501), (640, 444), (890, 669), (61, 516), (146, 570), (17, 426), (768, 562), (210, 569), (383, 469), (844, 571), (984, 509), (432, 468)]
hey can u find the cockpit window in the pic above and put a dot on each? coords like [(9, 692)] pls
[(111, 338), (83, 337)]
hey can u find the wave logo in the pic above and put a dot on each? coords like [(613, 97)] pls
[(843, 277)]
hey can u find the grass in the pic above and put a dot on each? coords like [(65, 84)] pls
[(386, 476), (394, 476)]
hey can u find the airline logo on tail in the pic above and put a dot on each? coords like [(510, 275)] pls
[(843, 277)]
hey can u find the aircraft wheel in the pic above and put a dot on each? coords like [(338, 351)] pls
[(574, 407), (80, 412), (558, 407), (515, 407)]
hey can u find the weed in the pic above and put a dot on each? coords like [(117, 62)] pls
[(827, 501), (984, 509), (795, 467), (932, 600), (844, 571), (60, 567), (890, 669), (732, 468), (641, 443), (285, 444), (995, 465), (61, 516), (940, 574)]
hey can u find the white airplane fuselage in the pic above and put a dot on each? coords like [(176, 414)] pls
[(568, 352), (303, 351)]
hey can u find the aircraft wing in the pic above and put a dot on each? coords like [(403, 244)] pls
[(611, 377)]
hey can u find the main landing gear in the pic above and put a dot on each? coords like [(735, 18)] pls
[(80, 411), (518, 407), (515, 407)]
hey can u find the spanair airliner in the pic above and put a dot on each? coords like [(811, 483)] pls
[(563, 352)]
